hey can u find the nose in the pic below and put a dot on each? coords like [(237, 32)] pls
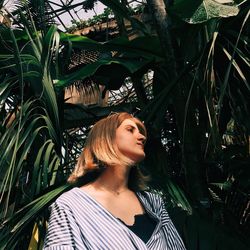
[(141, 138)]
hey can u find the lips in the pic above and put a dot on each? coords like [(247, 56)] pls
[(140, 144)]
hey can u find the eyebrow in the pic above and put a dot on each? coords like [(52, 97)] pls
[(132, 126)]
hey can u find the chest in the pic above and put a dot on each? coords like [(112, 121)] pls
[(124, 207)]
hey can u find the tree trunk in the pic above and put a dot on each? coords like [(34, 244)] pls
[(160, 19), (120, 21)]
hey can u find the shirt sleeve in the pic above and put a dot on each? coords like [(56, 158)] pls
[(63, 231), (174, 241)]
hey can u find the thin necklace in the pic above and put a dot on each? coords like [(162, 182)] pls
[(119, 192)]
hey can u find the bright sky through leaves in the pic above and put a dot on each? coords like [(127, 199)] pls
[(77, 13)]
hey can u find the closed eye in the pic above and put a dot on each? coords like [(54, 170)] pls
[(130, 129)]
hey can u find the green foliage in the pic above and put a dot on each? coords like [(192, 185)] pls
[(200, 233), (97, 19), (135, 57), (31, 136), (203, 10), (210, 129)]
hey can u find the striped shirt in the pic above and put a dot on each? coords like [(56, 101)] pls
[(78, 221)]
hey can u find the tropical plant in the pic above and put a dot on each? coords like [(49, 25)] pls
[(197, 100)]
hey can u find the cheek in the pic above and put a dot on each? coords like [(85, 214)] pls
[(121, 136), (121, 142), (125, 144)]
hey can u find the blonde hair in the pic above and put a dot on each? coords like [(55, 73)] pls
[(99, 152)]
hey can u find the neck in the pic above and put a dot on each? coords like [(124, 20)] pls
[(114, 179)]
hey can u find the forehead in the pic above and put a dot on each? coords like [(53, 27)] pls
[(127, 122)]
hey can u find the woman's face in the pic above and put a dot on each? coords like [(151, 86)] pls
[(129, 141)]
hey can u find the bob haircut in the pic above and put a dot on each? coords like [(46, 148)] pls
[(100, 152)]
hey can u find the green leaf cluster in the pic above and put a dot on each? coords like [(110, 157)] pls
[(196, 109)]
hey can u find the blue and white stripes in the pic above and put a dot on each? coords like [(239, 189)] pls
[(79, 222)]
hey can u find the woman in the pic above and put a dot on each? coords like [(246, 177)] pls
[(109, 209)]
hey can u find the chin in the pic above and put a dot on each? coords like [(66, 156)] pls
[(133, 159), (139, 158)]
